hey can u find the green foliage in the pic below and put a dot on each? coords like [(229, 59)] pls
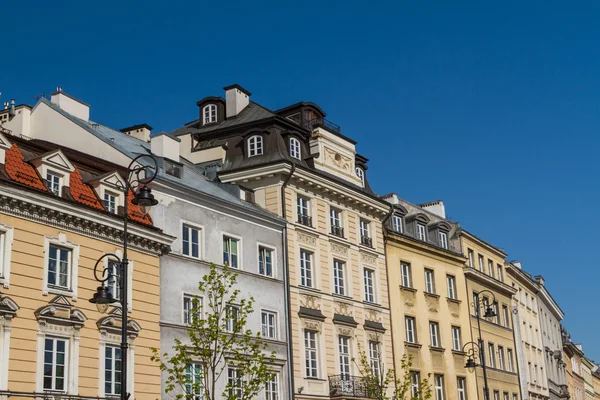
[(217, 338), (390, 384)]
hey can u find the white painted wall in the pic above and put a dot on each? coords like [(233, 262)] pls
[(165, 146), (235, 101), (71, 105)]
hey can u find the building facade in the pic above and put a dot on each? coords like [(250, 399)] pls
[(211, 223), (53, 228), (428, 296), (486, 286), (297, 165), (587, 366), (573, 358)]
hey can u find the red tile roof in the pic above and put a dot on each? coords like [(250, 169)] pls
[(19, 171), (83, 193), (134, 214)]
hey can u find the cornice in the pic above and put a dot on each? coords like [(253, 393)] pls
[(394, 237), (482, 243), (522, 277), (488, 282), (55, 212)]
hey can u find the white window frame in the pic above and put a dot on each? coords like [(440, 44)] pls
[(443, 238), (260, 248), (188, 297), (415, 383), (66, 366), (429, 281), (491, 268), (194, 372), (71, 336), (232, 319), (311, 354), (456, 338), (451, 284), (438, 383), (374, 356), (335, 219), (480, 260), (501, 360), (6, 243), (491, 355), (500, 272), (406, 273), (295, 151), (509, 357), (113, 369), (410, 328), (434, 334), (360, 173), (235, 378), (272, 387), (345, 355), (471, 256), (339, 277), (255, 146), (307, 278), (422, 232), (461, 386), (397, 225), (231, 237), (51, 183), (114, 281), (365, 228), (190, 227), (130, 269), (209, 113), (268, 326), (62, 242), (369, 283), (303, 203), (111, 206)]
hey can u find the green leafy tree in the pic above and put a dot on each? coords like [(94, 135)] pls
[(390, 384), (217, 339)]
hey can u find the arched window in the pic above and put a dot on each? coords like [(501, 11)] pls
[(361, 175), (210, 113), (255, 146), (295, 148)]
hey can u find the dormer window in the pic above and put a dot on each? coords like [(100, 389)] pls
[(173, 169), (255, 146), (443, 239), (422, 232), (295, 148), (111, 202), (397, 223), (53, 182), (210, 113), (361, 175)]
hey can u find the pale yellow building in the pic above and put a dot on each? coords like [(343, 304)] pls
[(485, 279), (428, 296), (53, 341)]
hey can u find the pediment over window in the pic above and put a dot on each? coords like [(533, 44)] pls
[(442, 226), (55, 159), (60, 312), (421, 218), (112, 324), (8, 308), (400, 210), (110, 179)]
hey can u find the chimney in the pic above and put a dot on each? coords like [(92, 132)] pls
[(436, 207), (165, 145), (141, 132), (516, 264), (70, 104), (540, 279), (391, 198), (236, 99)]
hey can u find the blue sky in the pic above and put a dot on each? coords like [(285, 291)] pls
[(493, 108)]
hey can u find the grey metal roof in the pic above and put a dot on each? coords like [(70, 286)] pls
[(192, 177)]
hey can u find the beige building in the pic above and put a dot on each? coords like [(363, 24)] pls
[(587, 366), (296, 164), (486, 286), (428, 296), (527, 321), (53, 341)]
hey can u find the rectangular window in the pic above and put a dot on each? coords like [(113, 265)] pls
[(306, 268), (195, 381), (369, 280), (411, 330), (397, 225), (491, 268), (190, 312), (55, 364), (509, 356), (421, 232), (461, 385), (496, 309), (443, 238), (496, 395), (471, 262), (2, 250), (438, 381), (265, 261), (190, 241), (53, 183), (272, 387), (338, 277), (491, 355), (506, 315), (112, 370), (406, 275), (232, 318), (456, 339), (365, 235), (114, 279), (110, 202), (310, 353), (429, 281), (269, 324), (415, 384), (230, 252), (480, 262), (344, 349), (505, 396), (451, 280), (434, 334), (515, 396), (303, 205), (335, 219), (500, 278), (59, 267), (234, 378), (374, 357), (501, 363), (173, 169), (476, 305)]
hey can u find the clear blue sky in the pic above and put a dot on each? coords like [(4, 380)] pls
[(493, 108)]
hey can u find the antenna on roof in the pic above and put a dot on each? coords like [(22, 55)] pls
[(39, 96)]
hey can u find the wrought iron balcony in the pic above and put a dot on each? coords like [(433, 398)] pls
[(348, 386), (366, 241), (322, 122), (337, 231), (305, 219)]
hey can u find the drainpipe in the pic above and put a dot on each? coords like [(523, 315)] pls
[(286, 280)]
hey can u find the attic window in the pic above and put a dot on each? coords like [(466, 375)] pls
[(173, 169), (295, 148), (361, 175), (53, 182), (210, 113), (255, 146)]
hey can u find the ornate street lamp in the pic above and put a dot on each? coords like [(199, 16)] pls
[(138, 178), (488, 313)]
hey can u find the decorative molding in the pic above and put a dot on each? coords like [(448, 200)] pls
[(409, 303), (308, 239), (110, 326), (373, 315), (368, 258), (346, 331), (374, 336), (433, 309), (455, 315), (338, 160), (339, 249), (342, 309), (312, 325), (309, 301)]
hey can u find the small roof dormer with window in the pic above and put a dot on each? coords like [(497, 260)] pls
[(109, 188), (212, 110), (55, 169)]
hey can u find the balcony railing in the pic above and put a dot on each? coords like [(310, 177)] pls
[(337, 231), (323, 122), (305, 219), (366, 241), (348, 386)]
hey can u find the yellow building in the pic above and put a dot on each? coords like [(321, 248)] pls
[(428, 296), (486, 286), (52, 339), (596, 380), (299, 166)]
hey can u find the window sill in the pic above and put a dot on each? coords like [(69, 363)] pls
[(408, 289), (455, 301), (342, 296), (413, 345), (432, 295), (368, 303), (437, 349), (56, 290), (459, 353), (310, 378), (309, 289)]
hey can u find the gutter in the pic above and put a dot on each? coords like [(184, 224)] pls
[(286, 263)]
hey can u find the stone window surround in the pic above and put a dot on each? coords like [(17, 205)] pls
[(61, 241), (273, 259), (201, 243), (8, 310), (6, 252)]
